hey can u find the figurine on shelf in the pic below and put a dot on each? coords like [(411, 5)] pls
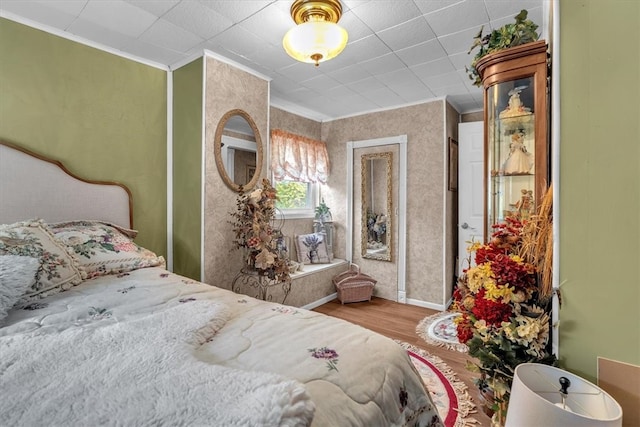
[(524, 206), (519, 160), (515, 106)]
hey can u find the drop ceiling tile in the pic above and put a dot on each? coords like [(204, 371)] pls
[(382, 64), (350, 74), (273, 57), (365, 85), (460, 16), (271, 24), (407, 34), (118, 16), (534, 14), (461, 60), (170, 36), (198, 18), (156, 7), (458, 89), (436, 71), (41, 12), (413, 92), (239, 40), (282, 84), (500, 8), (337, 93), (320, 83), (384, 97), (421, 53), (71, 7), (404, 75), (236, 11), (155, 53), (428, 6), (443, 80), (458, 42), (98, 34), (381, 14), (299, 71), (355, 27), (365, 49)]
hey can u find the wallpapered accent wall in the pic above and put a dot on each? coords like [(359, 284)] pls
[(226, 88), (103, 116)]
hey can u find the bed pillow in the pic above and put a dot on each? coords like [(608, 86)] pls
[(102, 248), (17, 274), (312, 249), (57, 271)]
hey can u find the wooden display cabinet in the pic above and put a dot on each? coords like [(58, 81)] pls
[(516, 135)]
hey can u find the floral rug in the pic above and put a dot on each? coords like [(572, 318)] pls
[(439, 329), (448, 393)]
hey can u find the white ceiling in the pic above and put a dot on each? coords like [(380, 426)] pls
[(400, 52)]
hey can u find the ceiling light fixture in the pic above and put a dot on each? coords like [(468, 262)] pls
[(317, 37)]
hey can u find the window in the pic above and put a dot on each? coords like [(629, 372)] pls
[(297, 199), (299, 165)]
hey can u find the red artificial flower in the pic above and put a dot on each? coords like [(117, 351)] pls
[(464, 329), (492, 312)]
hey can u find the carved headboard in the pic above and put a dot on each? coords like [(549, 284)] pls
[(33, 186)]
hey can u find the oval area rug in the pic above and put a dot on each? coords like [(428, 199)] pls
[(439, 329), (447, 392)]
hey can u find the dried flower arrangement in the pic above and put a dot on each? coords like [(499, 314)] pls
[(254, 233), (505, 303)]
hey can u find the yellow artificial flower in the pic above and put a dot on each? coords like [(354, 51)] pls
[(478, 276), (495, 292)]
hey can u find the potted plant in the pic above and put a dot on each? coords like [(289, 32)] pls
[(520, 32), (323, 212)]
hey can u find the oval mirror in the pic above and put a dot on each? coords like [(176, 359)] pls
[(238, 150), (376, 206)]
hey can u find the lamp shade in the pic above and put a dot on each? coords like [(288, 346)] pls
[(536, 400), (315, 41)]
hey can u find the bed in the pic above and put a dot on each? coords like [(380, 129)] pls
[(95, 331)]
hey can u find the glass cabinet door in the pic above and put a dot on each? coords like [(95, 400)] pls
[(511, 154)]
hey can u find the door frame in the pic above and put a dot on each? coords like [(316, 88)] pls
[(400, 210)]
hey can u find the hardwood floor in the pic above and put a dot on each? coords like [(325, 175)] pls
[(399, 321)]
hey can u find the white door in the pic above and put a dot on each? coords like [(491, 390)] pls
[(470, 188)]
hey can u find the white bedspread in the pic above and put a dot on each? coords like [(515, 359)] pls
[(154, 348), (140, 372)]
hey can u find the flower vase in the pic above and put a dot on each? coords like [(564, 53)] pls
[(488, 405)]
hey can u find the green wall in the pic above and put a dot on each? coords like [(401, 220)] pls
[(187, 168), (103, 116), (599, 183)]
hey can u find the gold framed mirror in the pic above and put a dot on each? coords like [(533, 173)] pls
[(377, 239), (238, 150)]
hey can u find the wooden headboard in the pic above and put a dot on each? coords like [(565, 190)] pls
[(33, 186)]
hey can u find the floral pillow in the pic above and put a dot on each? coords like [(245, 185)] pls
[(312, 249), (103, 248), (58, 269)]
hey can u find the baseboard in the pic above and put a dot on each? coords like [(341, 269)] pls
[(319, 302), (426, 304)]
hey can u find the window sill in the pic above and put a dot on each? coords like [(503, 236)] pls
[(308, 269)]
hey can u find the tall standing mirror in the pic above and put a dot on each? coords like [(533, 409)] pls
[(238, 150), (376, 206)]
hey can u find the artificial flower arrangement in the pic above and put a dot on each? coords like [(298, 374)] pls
[(256, 236), (505, 304)]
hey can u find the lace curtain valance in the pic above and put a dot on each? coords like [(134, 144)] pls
[(298, 158)]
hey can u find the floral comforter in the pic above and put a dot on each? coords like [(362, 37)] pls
[(353, 376)]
